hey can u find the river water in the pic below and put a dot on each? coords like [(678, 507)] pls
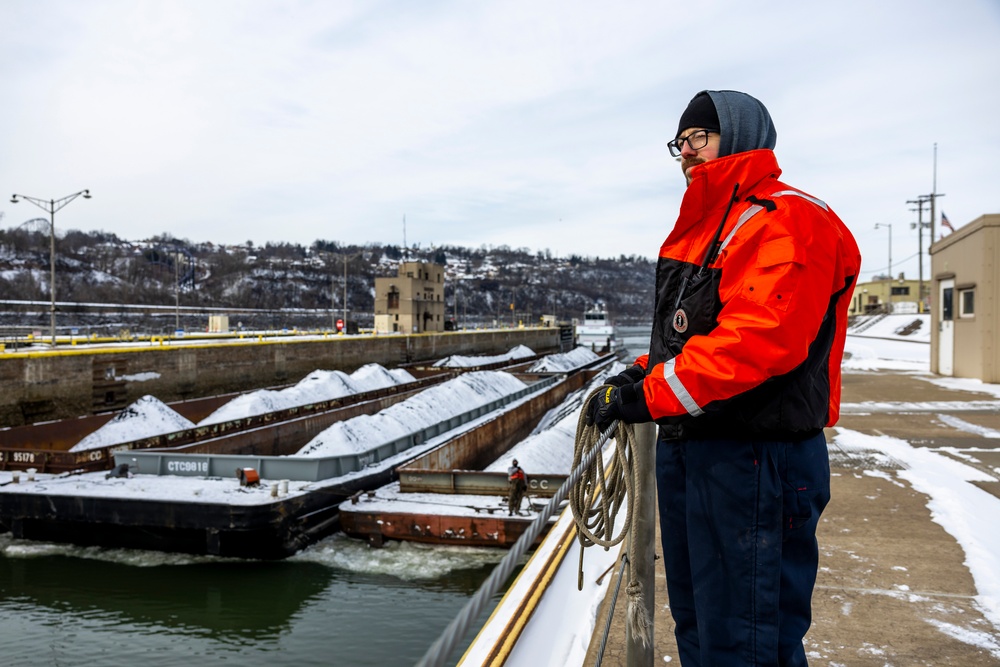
[(337, 602)]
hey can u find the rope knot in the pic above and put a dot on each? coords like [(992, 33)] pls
[(635, 615)]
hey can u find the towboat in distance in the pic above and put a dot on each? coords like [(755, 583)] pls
[(597, 331)]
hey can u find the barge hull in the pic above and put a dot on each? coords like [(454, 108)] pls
[(266, 531), (497, 530)]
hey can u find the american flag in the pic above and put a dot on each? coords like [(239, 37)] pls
[(945, 223)]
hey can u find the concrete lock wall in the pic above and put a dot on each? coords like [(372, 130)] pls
[(43, 386)]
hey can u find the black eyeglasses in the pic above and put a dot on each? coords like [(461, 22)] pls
[(696, 140)]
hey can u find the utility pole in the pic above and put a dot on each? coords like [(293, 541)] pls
[(919, 226), (889, 225), (345, 295), (51, 206)]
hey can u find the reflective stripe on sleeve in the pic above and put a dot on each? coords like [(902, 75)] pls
[(680, 391)]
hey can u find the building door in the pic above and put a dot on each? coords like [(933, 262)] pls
[(946, 331)]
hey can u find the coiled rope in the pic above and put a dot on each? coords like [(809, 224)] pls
[(596, 501), (589, 444)]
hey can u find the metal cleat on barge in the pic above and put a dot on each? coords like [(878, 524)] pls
[(241, 494)]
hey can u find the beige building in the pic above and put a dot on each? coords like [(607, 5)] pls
[(965, 301), (413, 301), (886, 295)]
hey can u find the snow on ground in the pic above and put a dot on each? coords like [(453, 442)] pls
[(433, 405), (965, 384), (318, 386), (560, 363), (144, 418), (459, 361), (963, 509), (881, 346), (915, 327)]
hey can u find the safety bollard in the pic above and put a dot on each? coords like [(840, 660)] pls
[(640, 653)]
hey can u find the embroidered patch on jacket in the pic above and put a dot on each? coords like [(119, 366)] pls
[(680, 321)]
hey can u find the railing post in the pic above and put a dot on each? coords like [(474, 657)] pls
[(643, 537)]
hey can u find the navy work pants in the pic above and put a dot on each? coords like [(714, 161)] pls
[(738, 525)]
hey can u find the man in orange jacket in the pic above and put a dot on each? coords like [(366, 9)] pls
[(742, 375)]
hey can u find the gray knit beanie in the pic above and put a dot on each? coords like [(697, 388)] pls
[(744, 123)]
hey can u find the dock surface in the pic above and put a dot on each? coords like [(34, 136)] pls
[(893, 587)]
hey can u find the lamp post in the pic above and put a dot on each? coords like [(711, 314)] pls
[(889, 225), (51, 206)]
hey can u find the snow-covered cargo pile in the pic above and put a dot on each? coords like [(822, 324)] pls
[(431, 406), (145, 418), (315, 387), (560, 363), (459, 361)]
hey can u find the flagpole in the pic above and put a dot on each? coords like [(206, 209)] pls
[(934, 193), (933, 197)]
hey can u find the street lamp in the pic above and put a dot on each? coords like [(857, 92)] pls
[(51, 205)]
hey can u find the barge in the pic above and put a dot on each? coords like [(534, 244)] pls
[(207, 503)]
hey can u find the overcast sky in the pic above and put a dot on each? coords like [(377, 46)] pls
[(528, 124)]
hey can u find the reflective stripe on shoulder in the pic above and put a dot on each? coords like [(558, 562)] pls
[(755, 209), (818, 202), (680, 390), (747, 214)]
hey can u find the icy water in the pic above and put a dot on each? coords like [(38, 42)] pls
[(336, 603), (635, 340)]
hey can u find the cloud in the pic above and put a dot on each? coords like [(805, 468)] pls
[(501, 123)]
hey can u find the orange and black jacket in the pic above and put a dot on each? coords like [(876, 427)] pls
[(752, 290)]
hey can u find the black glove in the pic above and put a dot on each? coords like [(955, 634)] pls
[(626, 403), (628, 376)]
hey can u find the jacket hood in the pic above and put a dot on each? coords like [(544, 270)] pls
[(744, 123)]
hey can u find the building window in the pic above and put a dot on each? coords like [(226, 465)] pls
[(946, 304), (901, 291), (393, 301), (966, 302)]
